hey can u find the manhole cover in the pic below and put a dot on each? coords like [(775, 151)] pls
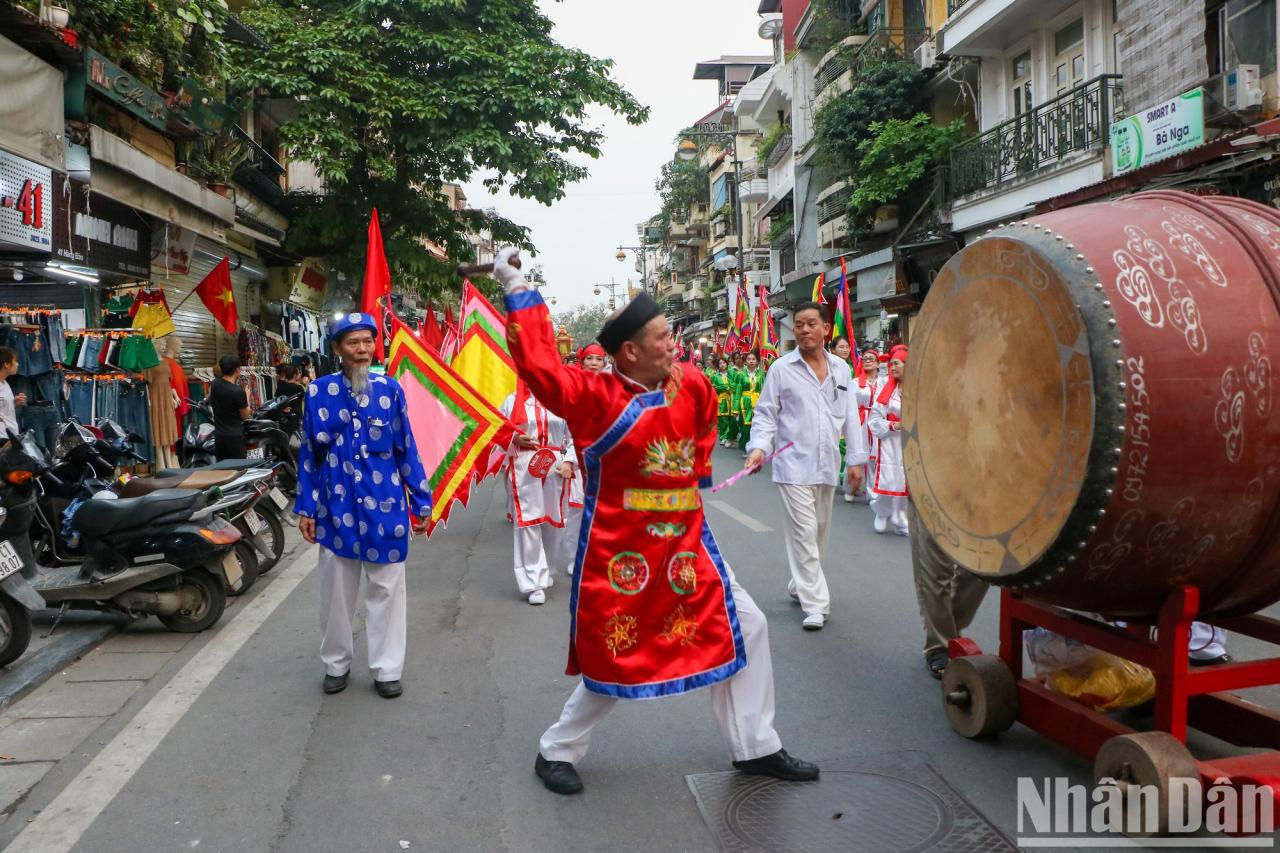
[(894, 802)]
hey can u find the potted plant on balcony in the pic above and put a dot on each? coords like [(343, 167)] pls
[(215, 160), (55, 13)]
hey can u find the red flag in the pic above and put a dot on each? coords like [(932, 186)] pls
[(376, 297), (216, 294), (432, 334)]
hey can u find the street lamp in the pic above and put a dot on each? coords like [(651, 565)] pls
[(643, 251), (612, 287)]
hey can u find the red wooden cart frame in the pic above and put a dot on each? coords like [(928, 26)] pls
[(1185, 696)]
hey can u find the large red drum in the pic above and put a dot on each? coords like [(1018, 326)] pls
[(1088, 407)]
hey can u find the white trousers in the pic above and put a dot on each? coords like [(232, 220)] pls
[(742, 705), (892, 507), (1207, 642), (533, 548), (806, 512), (569, 538), (386, 614)]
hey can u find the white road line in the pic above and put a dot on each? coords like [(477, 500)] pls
[(740, 517), (60, 826)]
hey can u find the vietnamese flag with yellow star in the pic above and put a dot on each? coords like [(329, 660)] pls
[(216, 294)]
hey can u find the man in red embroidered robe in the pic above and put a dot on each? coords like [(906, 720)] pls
[(654, 609)]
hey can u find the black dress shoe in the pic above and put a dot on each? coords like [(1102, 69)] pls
[(779, 766), (559, 777), (335, 683), (388, 689), (1218, 661)]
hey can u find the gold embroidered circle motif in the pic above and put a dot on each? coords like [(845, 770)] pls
[(628, 572), (682, 573)]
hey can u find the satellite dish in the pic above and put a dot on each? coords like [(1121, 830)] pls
[(770, 26)]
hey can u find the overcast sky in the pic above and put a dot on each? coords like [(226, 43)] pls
[(655, 45)]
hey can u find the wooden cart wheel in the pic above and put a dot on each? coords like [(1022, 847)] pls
[(1152, 759), (980, 695)]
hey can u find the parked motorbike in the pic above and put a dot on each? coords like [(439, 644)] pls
[(17, 597), (88, 468), (266, 439), (167, 553)]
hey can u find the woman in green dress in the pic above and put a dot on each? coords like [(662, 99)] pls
[(724, 393), (750, 383), (735, 408)]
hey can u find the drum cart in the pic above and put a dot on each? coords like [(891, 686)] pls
[(984, 694)]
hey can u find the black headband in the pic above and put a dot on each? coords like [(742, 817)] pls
[(633, 318)]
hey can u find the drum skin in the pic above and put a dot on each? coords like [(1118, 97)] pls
[(1088, 405)]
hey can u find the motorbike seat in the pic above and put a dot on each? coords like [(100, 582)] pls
[(224, 465), (98, 518), (196, 478)]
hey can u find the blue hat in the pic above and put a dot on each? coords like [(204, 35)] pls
[(349, 323)]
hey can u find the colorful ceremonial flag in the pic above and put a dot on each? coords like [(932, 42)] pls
[(217, 295), (818, 284), (740, 330), (483, 359), (842, 322), (766, 339), (375, 299), (458, 432), (432, 334)]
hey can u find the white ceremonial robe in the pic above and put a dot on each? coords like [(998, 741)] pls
[(539, 496), (575, 499), (865, 398), (889, 487)]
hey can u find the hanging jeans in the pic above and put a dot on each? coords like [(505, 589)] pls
[(134, 412), (81, 402)]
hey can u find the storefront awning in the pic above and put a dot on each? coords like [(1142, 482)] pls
[(133, 178)]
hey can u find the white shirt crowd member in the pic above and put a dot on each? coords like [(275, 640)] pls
[(812, 411), (8, 411), (537, 464), (591, 358), (867, 385), (889, 487)]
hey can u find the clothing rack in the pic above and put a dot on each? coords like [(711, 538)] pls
[(117, 376), (103, 332)]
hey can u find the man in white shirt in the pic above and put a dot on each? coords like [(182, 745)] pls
[(8, 402), (808, 400)]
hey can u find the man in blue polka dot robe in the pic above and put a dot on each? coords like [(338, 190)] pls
[(360, 478)]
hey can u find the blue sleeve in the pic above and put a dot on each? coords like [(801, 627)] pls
[(309, 479), (408, 461)]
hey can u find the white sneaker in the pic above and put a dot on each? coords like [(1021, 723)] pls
[(814, 622), (551, 580), (848, 497), (568, 570), (791, 591), (538, 596), (881, 524)]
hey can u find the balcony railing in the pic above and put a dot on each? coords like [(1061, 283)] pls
[(952, 5), (781, 149), (887, 44), (834, 206), (1076, 121)]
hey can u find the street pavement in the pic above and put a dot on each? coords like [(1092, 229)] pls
[(224, 741)]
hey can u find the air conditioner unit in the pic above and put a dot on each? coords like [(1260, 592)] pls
[(1240, 89), (927, 54)]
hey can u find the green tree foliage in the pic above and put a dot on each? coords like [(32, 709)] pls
[(897, 158), (159, 41), (396, 97), (583, 322), (681, 184), (887, 90)]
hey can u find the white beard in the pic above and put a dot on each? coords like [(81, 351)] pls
[(359, 379)]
